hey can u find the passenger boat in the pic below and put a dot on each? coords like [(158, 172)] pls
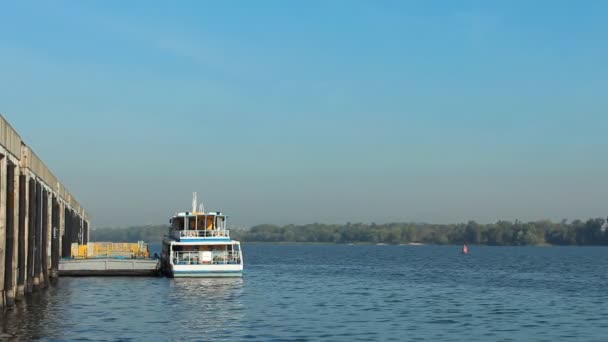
[(199, 245)]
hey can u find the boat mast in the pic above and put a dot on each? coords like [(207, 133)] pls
[(194, 194), (201, 206)]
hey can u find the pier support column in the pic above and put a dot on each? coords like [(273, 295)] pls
[(65, 237), (31, 233), (80, 229), (61, 231), (23, 228), (3, 160), (10, 271), (14, 173), (55, 238), (37, 235), (45, 246), (85, 232), (10, 255)]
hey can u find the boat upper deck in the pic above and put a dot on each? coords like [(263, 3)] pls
[(199, 227)]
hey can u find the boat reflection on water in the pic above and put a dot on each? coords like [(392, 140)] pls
[(212, 304), (205, 288)]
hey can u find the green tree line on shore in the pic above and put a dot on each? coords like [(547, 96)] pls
[(591, 232), (501, 233), (149, 234)]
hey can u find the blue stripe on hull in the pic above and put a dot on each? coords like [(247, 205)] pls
[(202, 240), (200, 274)]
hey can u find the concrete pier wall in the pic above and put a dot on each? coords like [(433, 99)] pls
[(39, 219)]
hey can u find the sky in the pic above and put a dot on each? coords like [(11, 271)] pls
[(314, 111)]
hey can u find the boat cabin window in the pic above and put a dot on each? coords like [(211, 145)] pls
[(180, 248), (210, 224), (220, 222), (178, 223), (200, 222)]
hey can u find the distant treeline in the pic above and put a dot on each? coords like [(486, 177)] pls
[(501, 233), (150, 234), (577, 232)]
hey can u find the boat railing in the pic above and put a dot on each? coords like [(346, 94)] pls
[(198, 258), (224, 233)]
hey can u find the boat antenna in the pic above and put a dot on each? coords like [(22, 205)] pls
[(201, 208), (194, 202)]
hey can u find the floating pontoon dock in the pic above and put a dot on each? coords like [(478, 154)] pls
[(109, 259), (109, 267)]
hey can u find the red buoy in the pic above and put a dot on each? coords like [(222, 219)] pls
[(465, 249)]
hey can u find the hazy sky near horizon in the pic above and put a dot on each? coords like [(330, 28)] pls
[(315, 111)]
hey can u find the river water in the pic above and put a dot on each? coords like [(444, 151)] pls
[(339, 293)]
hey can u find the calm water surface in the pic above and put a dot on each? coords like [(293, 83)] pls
[(339, 293)]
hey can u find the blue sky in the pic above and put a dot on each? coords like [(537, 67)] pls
[(315, 111)]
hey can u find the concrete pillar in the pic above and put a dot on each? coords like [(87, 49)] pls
[(44, 240), (80, 229), (10, 255), (85, 232), (61, 227), (16, 171), (37, 235), (65, 237), (2, 227), (23, 230), (55, 219), (88, 230), (49, 235), (31, 233), (73, 230)]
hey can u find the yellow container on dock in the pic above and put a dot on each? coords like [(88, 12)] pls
[(110, 250)]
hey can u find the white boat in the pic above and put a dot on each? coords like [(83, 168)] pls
[(199, 245)]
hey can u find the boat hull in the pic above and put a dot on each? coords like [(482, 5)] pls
[(205, 271), (205, 274)]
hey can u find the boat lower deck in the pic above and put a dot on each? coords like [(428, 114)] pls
[(199, 274)]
